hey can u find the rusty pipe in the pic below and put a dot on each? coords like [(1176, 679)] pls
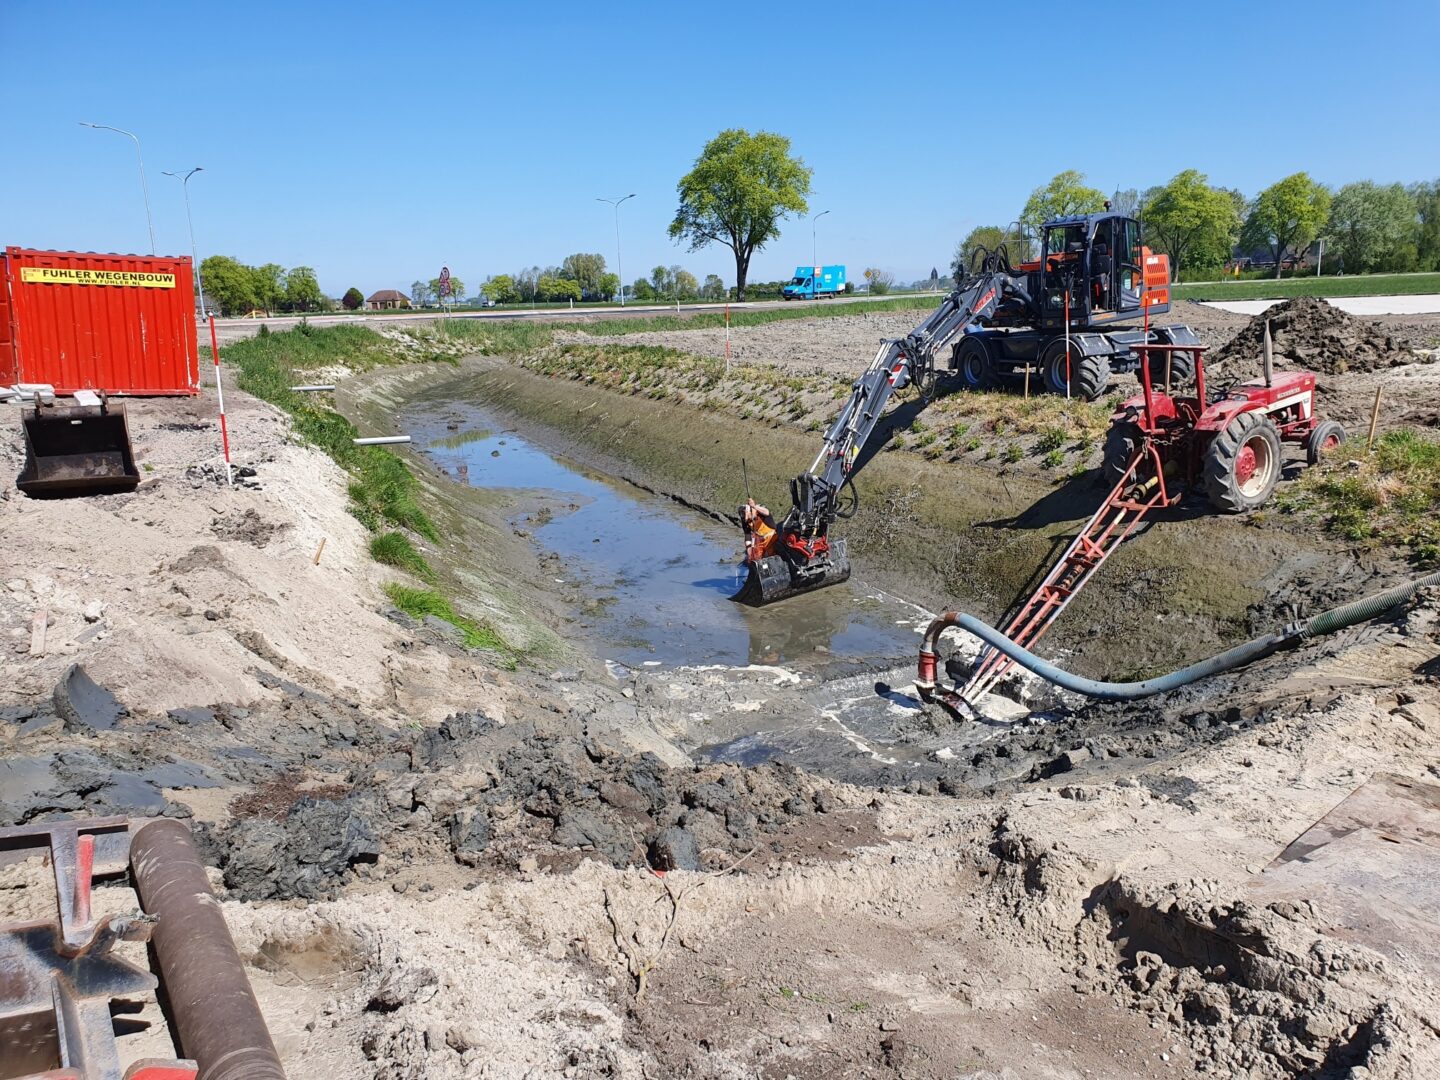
[(217, 1020)]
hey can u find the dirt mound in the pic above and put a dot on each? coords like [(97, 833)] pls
[(1308, 333)]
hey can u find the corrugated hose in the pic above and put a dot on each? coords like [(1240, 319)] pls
[(1327, 622)]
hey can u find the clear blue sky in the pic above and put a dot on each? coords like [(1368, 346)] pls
[(375, 142)]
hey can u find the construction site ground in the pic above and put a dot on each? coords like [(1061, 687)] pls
[(438, 861)]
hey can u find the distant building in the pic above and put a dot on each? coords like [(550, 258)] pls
[(387, 300)]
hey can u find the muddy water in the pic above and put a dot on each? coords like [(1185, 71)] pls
[(650, 579)]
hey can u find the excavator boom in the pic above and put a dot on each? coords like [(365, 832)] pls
[(801, 556)]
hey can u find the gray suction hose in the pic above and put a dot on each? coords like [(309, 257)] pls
[(1327, 622)]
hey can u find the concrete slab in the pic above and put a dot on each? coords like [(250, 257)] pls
[(1419, 304)]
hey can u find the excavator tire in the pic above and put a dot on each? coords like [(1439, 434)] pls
[(1242, 464), (1182, 369), (977, 368), (1121, 443), (1088, 375)]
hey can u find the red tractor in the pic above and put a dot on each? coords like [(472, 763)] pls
[(1162, 445)]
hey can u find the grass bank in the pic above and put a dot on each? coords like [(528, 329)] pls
[(1388, 498), (384, 493), (1358, 285)]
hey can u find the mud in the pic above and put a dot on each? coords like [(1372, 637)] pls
[(1309, 334)]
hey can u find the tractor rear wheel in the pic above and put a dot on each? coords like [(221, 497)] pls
[(1242, 464), (1328, 434), (978, 370), (1087, 376), (1121, 444)]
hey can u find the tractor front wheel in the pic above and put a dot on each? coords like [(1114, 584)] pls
[(978, 370), (1242, 464), (1086, 376), (1122, 443), (1328, 434)]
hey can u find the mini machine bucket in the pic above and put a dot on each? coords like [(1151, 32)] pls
[(771, 579), (77, 450)]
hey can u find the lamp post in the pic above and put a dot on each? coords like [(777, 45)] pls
[(190, 224), (619, 267), (144, 185), (814, 254)]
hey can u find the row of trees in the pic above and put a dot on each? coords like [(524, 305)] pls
[(236, 288), (425, 293), (584, 277), (1366, 227)]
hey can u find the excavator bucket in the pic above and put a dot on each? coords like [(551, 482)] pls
[(77, 450), (772, 578)]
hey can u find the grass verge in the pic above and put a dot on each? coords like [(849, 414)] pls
[(418, 603), (383, 491), (1387, 498), (1358, 285)]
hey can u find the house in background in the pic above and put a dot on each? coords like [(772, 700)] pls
[(387, 300)]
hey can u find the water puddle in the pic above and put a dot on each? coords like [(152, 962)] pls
[(650, 578)]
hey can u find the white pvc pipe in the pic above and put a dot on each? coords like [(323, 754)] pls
[(382, 440), (318, 388)]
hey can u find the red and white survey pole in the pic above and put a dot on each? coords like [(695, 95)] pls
[(220, 392)]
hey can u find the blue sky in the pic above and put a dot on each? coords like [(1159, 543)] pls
[(376, 142)]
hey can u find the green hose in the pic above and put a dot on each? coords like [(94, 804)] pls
[(1367, 607)]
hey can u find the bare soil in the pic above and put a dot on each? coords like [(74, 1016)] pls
[(436, 867)]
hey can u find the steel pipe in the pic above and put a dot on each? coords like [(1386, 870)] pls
[(217, 1021)]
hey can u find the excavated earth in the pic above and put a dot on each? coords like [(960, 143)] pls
[(443, 862)]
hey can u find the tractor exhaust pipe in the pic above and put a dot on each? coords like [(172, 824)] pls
[(1268, 357), (216, 1018)]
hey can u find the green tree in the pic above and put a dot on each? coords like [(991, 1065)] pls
[(551, 288), (713, 289), (501, 289), (420, 293), (1287, 216), (585, 269), (880, 281), (1372, 227), (230, 283), (685, 286), (609, 287), (457, 290), (988, 237), (1191, 221), (1427, 238), (1066, 194), (642, 289), (662, 281), (1126, 201), (740, 189), (302, 290), (353, 299), (269, 286)]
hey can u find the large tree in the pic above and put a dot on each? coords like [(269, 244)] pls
[(1065, 194), (420, 293), (714, 288), (1287, 216), (587, 270), (352, 299), (269, 286), (1427, 238), (302, 290), (740, 189), (501, 289), (230, 283), (1372, 227), (1191, 221)]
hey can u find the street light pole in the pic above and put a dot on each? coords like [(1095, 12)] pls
[(144, 184), (619, 267), (814, 254), (190, 224)]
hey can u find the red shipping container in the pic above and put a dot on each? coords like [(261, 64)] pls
[(124, 324)]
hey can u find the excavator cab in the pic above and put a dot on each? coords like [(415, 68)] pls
[(1094, 268)]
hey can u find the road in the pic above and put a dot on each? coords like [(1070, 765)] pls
[(228, 330), (1419, 304)]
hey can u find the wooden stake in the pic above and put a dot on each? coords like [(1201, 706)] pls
[(316, 561), (1027, 382), (37, 632), (1374, 419)]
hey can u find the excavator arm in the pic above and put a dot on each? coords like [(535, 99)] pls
[(800, 555)]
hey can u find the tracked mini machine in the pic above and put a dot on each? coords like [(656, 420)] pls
[(1162, 447)]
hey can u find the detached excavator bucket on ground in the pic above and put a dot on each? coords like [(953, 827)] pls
[(77, 450), (774, 578)]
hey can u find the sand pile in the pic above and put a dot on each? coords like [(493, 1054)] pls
[(1308, 333)]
